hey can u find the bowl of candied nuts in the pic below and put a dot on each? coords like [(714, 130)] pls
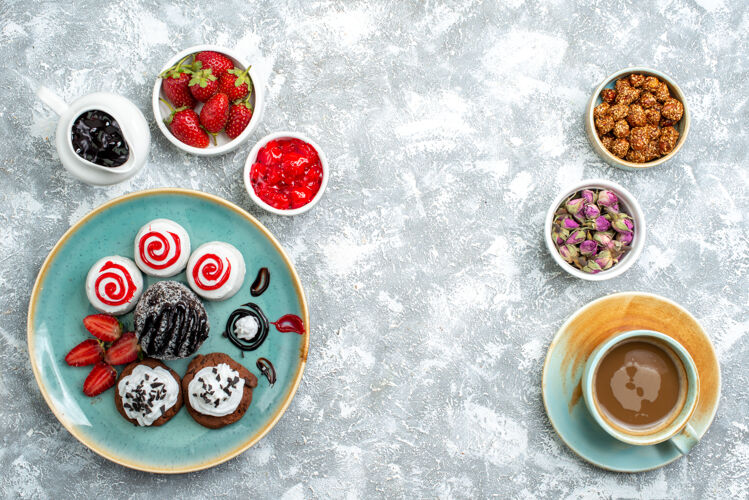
[(637, 118)]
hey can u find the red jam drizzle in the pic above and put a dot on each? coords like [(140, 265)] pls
[(212, 271), (157, 249), (289, 323), (118, 284)]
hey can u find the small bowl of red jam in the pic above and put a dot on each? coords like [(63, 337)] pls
[(286, 173)]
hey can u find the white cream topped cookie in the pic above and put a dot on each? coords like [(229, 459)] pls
[(114, 285), (216, 390), (147, 393), (216, 270), (162, 248)]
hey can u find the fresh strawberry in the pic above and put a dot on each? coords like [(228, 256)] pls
[(103, 326), (214, 114), (175, 84), (124, 350), (100, 379), (239, 116), (214, 61), (87, 352), (235, 83), (203, 85), (185, 126)]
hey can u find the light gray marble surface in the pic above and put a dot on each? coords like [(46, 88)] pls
[(450, 126)]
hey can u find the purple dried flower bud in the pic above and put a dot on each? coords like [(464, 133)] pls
[(613, 209), (590, 196), (591, 211), (569, 223), (577, 237), (588, 248), (607, 199), (575, 206), (604, 260), (602, 223), (592, 267), (568, 252), (625, 238), (604, 238), (622, 223)]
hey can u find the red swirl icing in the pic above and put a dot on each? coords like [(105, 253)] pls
[(118, 284), (212, 271), (156, 252)]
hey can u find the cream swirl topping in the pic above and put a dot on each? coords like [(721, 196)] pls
[(216, 390), (147, 393)]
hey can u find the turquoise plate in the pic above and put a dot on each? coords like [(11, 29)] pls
[(59, 304), (592, 325)]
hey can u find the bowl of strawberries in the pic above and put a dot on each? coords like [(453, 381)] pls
[(207, 101)]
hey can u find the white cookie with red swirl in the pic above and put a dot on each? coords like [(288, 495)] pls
[(216, 270), (114, 285), (162, 248)]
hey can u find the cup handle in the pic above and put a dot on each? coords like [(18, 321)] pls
[(685, 440), (52, 100)]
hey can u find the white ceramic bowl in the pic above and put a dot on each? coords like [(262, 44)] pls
[(253, 157), (224, 143), (595, 99), (627, 203)]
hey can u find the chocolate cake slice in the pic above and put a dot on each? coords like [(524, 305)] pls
[(170, 321)]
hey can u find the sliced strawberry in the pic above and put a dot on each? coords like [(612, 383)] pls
[(100, 379), (103, 326), (87, 352), (124, 350)]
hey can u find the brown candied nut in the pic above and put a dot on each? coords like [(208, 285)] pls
[(639, 138), (619, 148), (665, 122), (601, 110), (672, 109), (651, 84), (647, 100), (627, 95), (636, 80), (621, 84), (651, 151), (608, 95), (604, 124), (636, 116), (662, 93), (618, 112), (607, 141), (621, 129), (653, 116), (667, 142), (653, 131), (636, 156)]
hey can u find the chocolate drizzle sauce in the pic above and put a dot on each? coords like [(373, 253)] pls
[(249, 309), (261, 282), (289, 323), (266, 368)]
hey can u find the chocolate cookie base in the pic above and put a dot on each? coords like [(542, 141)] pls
[(214, 359), (167, 415)]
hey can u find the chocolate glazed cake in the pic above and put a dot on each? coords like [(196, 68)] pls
[(170, 321)]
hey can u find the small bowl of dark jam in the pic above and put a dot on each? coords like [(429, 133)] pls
[(97, 138), (101, 138)]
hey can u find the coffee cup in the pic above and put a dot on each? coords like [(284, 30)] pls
[(642, 388)]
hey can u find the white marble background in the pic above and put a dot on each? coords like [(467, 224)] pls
[(450, 127)]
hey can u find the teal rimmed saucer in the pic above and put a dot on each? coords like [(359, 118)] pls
[(592, 325), (58, 305)]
